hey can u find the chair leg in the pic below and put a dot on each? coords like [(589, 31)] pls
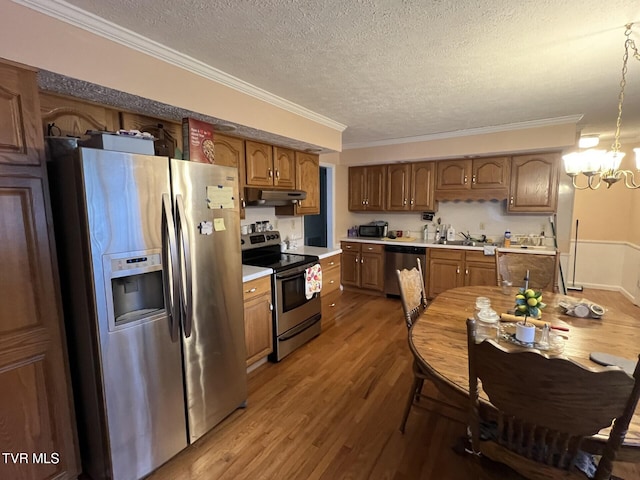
[(417, 383)]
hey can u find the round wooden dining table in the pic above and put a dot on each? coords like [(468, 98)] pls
[(439, 338)]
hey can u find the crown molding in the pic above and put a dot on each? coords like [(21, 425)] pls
[(467, 133), (77, 17)]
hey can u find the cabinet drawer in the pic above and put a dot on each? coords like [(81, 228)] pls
[(475, 256), (255, 288), (330, 262), (350, 246), (330, 280), (446, 254), (372, 248)]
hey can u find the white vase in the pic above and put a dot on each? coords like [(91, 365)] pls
[(525, 333)]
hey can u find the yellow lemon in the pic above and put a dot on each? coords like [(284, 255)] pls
[(529, 293), (522, 308), (532, 302), (519, 297)]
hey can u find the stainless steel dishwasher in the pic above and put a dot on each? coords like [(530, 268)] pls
[(398, 257)]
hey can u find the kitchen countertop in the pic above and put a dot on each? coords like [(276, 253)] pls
[(321, 252), (249, 272), (421, 243)]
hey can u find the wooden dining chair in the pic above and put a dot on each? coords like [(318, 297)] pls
[(414, 302), (542, 269), (545, 408)]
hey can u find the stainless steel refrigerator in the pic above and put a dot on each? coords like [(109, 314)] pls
[(151, 277)]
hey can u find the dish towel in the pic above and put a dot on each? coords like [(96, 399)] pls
[(313, 283)]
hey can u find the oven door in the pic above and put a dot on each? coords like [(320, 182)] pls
[(291, 304)]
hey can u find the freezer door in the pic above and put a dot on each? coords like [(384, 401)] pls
[(140, 365), (206, 198)]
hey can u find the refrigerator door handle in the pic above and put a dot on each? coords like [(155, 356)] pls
[(186, 275), (170, 262)]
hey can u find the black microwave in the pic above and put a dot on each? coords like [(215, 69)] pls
[(373, 229)]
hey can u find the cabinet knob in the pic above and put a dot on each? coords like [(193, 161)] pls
[(331, 282), (362, 260), (363, 202), (412, 202), (457, 270), (357, 259), (473, 179), (348, 247), (465, 179), (332, 305), (466, 271), (271, 306), (270, 173), (404, 202), (244, 205), (332, 263), (277, 173), (511, 200), (369, 248), (250, 291)]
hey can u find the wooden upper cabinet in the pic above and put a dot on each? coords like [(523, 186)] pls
[(398, 186), (422, 186), (307, 168), (472, 179), (20, 133), (410, 187), (490, 172), (453, 174), (168, 133), (367, 186), (259, 164), (229, 151), (65, 116), (534, 183), (308, 180), (284, 167)]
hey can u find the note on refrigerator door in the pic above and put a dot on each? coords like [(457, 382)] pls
[(218, 224), (219, 196)]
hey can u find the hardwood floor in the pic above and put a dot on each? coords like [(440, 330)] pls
[(331, 410)]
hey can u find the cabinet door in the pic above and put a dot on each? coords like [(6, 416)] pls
[(479, 273), (229, 151), (350, 266), (357, 178), (398, 183), (375, 187), (258, 328), (444, 275), (534, 183), (490, 173), (284, 163), (170, 132), (74, 117), (453, 174), (259, 164), (20, 133), (308, 179), (372, 271), (36, 411), (422, 185)]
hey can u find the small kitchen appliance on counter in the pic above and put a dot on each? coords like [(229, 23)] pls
[(376, 229), (296, 318)]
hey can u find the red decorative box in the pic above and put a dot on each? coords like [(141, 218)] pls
[(197, 141)]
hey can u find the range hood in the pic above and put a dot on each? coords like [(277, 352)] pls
[(264, 197)]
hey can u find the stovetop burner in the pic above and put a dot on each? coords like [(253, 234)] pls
[(263, 250)]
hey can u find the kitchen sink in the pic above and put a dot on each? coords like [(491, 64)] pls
[(466, 243)]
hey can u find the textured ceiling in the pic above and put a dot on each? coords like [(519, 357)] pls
[(390, 69)]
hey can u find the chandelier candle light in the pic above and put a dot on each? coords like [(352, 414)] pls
[(604, 165)]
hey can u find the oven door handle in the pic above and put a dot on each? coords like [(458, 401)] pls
[(298, 329), (297, 271)]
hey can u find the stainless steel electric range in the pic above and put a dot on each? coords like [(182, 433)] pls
[(296, 319)]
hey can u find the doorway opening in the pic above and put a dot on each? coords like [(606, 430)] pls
[(318, 229)]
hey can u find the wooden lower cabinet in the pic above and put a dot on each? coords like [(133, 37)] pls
[(36, 410), (258, 326), (451, 268), (363, 265), (331, 292)]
